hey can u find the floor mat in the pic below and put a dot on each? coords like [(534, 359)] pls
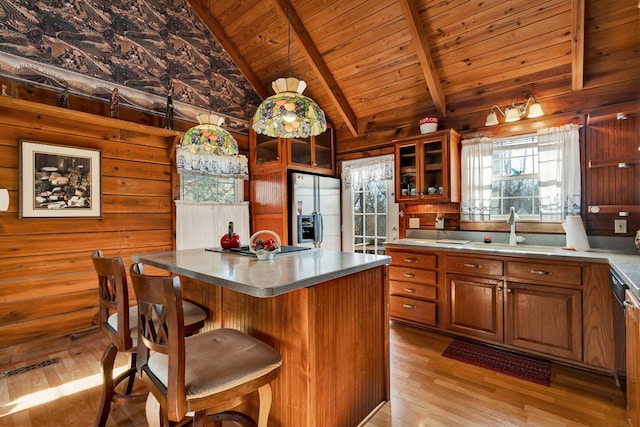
[(506, 362)]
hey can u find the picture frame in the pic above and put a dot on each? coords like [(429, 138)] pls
[(58, 181)]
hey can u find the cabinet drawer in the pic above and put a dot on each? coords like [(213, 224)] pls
[(412, 290), (414, 260), (412, 275), (414, 310), (473, 266), (550, 273)]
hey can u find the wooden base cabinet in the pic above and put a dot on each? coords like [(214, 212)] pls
[(632, 323), (413, 287), (476, 306), (552, 307), (544, 317)]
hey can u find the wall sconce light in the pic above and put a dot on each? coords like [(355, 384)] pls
[(514, 112)]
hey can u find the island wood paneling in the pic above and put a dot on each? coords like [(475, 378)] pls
[(48, 289), (333, 338)]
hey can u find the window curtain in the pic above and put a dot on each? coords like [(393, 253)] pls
[(201, 225), (559, 161), (476, 160), (364, 171)]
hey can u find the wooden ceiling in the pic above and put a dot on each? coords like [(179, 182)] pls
[(380, 65)]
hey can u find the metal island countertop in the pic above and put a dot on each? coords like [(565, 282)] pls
[(246, 274)]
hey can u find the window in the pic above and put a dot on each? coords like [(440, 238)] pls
[(515, 177), (538, 175), (208, 188)]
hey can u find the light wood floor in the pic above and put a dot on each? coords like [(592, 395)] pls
[(427, 390)]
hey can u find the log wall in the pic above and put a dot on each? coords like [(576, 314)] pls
[(48, 288)]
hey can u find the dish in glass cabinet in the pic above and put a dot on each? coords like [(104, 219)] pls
[(49, 168)]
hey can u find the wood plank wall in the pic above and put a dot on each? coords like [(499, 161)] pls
[(48, 288)]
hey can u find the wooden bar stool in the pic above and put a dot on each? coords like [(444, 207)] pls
[(119, 322), (202, 376)]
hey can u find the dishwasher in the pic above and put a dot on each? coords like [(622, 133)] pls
[(618, 288)]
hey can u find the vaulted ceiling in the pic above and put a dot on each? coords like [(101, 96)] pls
[(378, 65)]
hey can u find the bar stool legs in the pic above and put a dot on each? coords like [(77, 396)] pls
[(110, 384)]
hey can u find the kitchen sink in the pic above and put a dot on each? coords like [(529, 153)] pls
[(504, 247)]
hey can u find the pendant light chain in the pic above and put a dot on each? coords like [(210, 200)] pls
[(209, 53), (288, 34)]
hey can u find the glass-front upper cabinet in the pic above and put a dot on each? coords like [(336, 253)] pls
[(264, 150), (314, 153), (428, 168)]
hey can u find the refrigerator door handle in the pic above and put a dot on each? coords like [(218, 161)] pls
[(318, 232)]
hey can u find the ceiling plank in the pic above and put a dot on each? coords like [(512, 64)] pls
[(317, 63), (419, 35), (577, 45), (218, 33)]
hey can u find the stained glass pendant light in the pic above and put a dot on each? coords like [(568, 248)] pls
[(288, 113), (208, 136)]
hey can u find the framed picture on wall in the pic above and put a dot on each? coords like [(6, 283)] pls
[(57, 181)]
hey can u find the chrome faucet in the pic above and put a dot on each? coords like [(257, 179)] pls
[(512, 222)]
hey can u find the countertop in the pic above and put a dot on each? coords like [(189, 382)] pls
[(242, 273), (625, 264)]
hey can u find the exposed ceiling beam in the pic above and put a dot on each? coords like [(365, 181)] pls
[(313, 57), (202, 9), (420, 39), (577, 45)]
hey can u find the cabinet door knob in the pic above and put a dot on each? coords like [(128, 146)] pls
[(410, 306), (410, 290), (541, 272), (471, 265)]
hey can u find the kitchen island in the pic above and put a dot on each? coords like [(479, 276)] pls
[(325, 312)]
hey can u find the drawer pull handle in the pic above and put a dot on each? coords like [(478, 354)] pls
[(411, 260), (410, 290), (410, 306), (471, 265), (541, 272), (410, 275)]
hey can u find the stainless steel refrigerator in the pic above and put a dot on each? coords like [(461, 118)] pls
[(314, 211)]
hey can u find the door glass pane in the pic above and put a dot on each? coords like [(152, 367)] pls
[(407, 164), (433, 166), (300, 151), (323, 144), (370, 223), (266, 149)]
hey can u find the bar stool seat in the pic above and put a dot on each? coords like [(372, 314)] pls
[(119, 323), (203, 376)]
